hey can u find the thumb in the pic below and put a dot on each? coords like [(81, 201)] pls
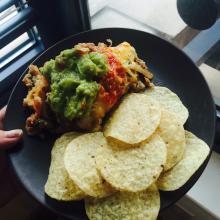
[(2, 115), (9, 138)]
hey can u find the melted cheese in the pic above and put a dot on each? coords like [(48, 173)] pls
[(124, 52)]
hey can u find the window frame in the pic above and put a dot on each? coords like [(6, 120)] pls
[(25, 52)]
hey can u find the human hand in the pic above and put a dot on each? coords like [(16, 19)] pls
[(8, 138)]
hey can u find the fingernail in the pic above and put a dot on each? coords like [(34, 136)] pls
[(13, 133)]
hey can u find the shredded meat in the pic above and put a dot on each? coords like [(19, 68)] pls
[(143, 68), (37, 85)]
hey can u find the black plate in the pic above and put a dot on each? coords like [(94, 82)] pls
[(171, 68)]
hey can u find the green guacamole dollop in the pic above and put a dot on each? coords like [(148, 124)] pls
[(73, 78)]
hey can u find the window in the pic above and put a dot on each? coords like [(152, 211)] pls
[(18, 36)]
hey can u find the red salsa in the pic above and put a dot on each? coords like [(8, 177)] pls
[(113, 84)]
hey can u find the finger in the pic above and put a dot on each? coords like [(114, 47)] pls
[(2, 115), (9, 138), (2, 112), (8, 143)]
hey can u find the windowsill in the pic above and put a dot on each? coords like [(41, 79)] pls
[(203, 198)]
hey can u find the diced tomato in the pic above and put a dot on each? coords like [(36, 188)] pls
[(113, 84)]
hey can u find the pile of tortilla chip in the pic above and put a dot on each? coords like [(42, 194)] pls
[(143, 148)]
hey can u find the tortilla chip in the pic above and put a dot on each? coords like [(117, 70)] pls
[(136, 119), (144, 205), (173, 134), (169, 101), (132, 169), (195, 154), (79, 160), (59, 185)]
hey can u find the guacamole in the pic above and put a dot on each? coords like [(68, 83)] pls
[(73, 77)]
